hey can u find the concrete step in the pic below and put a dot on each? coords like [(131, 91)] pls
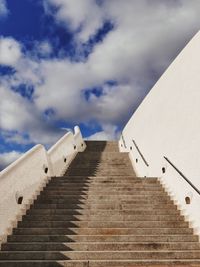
[(101, 212), (95, 187), (96, 172), (43, 200), (103, 224), (103, 165), (82, 183), (101, 146), (95, 255), (107, 206), (103, 184), (102, 217), (101, 158), (101, 263), (126, 191), (102, 238), (130, 176), (105, 197), (127, 195), (118, 179), (102, 231), (105, 179), (98, 148), (101, 246)]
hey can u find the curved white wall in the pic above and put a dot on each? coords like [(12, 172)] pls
[(167, 123), (22, 178), (27, 176), (63, 152)]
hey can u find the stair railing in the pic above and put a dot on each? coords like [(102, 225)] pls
[(140, 153), (124, 143), (182, 175)]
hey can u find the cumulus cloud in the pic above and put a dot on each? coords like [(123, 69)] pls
[(44, 48), (3, 8), (83, 17), (144, 41), (7, 158), (10, 51), (109, 132), (19, 116)]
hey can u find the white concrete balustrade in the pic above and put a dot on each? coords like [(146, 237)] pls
[(22, 180), (63, 152), (167, 123)]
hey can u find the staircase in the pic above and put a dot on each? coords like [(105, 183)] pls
[(100, 214)]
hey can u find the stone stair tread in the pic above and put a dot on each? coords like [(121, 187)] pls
[(94, 255), (103, 217), (101, 213), (101, 263), (102, 231), (102, 246), (103, 238)]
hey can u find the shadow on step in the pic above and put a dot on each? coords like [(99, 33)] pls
[(87, 163), (46, 231)]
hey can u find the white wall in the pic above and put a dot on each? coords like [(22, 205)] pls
[(63, 152), (167, 123), (22, 178), (26, 177)]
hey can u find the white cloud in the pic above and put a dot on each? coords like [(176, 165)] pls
[(84, 17), (44, 48), (3, 8), (144, 41), (7, 158), (10, 51), (19, 116), (109, 132)]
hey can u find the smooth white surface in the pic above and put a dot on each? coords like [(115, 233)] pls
[(21, 178), (25, 177), (66, 148), (78, 139), (63, 149), (167, 123)]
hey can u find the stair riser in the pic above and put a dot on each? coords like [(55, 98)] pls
[(101, 212), (104, 173), (103, 217), (130, 177), (105, 165), (112, 255), (104, 193), (101, 263), (102, 238), (107, 207), (95, 202), (109, 180), (101, 224), (102, 231), (123, 197), (101, 189), (120, 183), (100, 246), (103, 183)]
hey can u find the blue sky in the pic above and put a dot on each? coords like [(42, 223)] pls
[(88, 63)]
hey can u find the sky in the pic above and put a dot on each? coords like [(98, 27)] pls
[(88, 63)]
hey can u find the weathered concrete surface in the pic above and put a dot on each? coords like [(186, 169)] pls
[(100, 214)]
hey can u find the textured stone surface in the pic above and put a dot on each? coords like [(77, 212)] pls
[(100, 214)]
